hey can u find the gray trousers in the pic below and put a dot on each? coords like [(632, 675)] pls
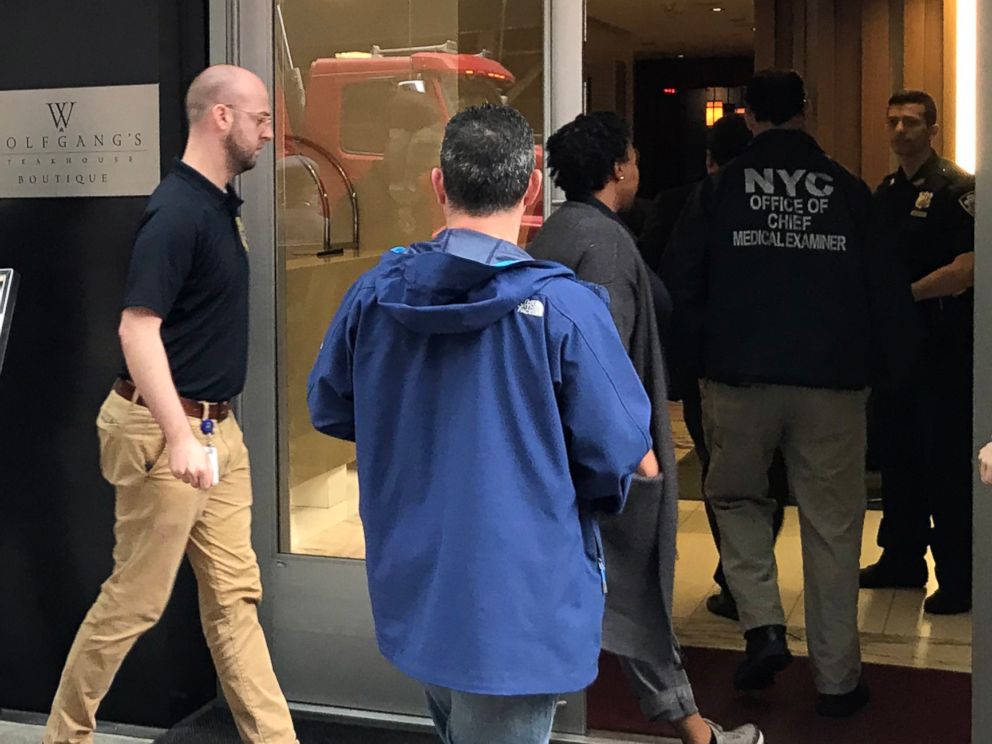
[(664, 692), (822, 437)]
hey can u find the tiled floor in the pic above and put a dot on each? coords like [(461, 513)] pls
[(894, 628), (680, 434), (337, 532), (334, 531), (312, 533)]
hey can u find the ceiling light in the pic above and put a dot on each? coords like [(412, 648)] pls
[(717, 9)]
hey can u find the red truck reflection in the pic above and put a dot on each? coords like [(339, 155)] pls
[(355, 159)]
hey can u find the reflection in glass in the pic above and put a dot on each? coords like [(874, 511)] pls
[(363, 92)]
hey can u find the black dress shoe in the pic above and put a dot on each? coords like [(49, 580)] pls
[(893, 573), (767, 654), (723, 604), (842, 706), (947, 602)]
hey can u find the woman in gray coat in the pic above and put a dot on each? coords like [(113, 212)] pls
[(594, 162)]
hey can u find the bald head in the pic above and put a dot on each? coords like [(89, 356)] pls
[(230, 121), (225, 84)]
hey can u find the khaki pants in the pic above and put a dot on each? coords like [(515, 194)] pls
[(822, 437), (158, 520)]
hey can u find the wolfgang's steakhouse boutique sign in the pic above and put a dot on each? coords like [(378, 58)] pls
[(61, 142)]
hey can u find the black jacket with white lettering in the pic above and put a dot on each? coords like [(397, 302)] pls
[(770, 274)]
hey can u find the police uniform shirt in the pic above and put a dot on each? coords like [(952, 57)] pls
[(928, 220), (190, 267)]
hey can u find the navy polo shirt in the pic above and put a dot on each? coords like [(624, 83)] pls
[(190, 267)]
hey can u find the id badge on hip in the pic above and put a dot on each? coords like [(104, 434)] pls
[(214, 466), (207, 428)]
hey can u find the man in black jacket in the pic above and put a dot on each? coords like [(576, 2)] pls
[(726, 140), (771, 284)]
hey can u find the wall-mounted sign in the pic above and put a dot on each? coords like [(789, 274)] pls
[(8, 295), (62, 142)]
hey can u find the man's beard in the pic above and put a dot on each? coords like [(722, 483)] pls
[(239, 157)]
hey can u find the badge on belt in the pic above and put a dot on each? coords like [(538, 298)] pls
[(207, 429), (242, 232)]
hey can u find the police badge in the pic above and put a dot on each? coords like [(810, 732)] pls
[(924, 200), (242, 232), (967, 203)]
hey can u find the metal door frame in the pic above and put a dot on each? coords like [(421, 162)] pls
[(242, 33), (981, 650)]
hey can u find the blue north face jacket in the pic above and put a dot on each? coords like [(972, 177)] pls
[(495, 413)]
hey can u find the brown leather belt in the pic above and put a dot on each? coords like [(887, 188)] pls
[(216, 411)]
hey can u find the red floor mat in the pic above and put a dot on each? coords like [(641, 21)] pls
[(908, 706)]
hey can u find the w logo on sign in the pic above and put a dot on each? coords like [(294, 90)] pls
[(61, 113)]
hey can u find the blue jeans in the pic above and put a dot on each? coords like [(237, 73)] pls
[(466, 718)]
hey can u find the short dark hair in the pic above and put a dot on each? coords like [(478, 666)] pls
[(583, 153), (923, 98), (775, 96), (487, 157), (728, 138)]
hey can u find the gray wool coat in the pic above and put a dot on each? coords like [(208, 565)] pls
[(640, 542)]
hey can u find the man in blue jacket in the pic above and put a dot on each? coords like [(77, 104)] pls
[(495, 415)]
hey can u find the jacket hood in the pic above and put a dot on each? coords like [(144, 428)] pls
[(459, 282)]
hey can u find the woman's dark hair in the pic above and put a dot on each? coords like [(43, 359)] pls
[(582, 154)]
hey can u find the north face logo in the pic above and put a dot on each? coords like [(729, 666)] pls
[(531, 307)]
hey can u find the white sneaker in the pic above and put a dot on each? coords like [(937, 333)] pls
[(746, 734)]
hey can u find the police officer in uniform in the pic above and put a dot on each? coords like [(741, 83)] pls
[(771, 284), (924, 221)]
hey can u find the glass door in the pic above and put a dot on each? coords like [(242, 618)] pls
[(362, 92)]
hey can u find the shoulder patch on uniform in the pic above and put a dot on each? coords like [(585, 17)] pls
[(967, 202), (531, 307)]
